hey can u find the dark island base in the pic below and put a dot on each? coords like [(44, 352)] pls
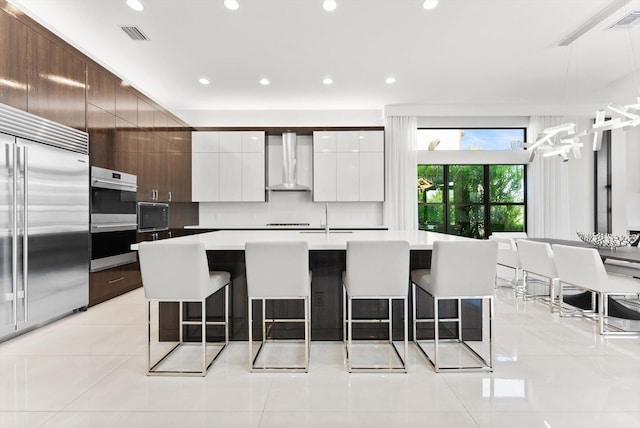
[(326, 306)]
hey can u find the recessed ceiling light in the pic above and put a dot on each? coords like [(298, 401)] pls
[(429, 4), (135, 5), (231, 4), (204, 81), (264, 82), (390, 80), (329, 5), (327, 81)]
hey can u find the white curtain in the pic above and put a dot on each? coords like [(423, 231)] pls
[(401, 164), (548, 189)]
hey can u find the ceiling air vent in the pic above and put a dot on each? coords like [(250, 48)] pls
[(134, 32), (628, 21)]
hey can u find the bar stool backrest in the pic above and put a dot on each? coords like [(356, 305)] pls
[(465, 268), (377, 268), (277, 269), (174, 271), (581, 266), (537, 257)]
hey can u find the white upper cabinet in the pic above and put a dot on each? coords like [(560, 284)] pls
[(348, 166), (231, 142), (253, 181), (348, 177), (205, 142), (205, 176), (348, 142), (253, 142), (371, 183), (324, 142), (228, 166), (371, 141), (325, 177)]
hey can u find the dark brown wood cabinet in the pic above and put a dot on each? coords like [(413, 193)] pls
[(151, 166), (107, 284), (179, 176), (126, 147), (164, 157), (126, 105), (101, 127), (42, 74), (57, 83), (13, 62), (101, 90)]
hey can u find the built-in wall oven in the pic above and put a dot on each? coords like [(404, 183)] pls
[(113, 218)]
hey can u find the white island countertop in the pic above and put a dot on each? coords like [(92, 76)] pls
[(280, 226), (318, 240)]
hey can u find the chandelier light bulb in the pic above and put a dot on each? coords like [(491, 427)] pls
[(264, 81), (329, 5), (204, 81), (327, 81)]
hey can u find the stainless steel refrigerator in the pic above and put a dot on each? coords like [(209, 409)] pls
[(44, 221)]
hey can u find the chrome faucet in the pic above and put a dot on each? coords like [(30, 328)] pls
[(326, 218)]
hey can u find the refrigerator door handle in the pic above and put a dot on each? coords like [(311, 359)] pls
[(25, 235), (14, 238)]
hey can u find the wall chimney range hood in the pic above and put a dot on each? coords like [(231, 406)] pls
[(289, 161)]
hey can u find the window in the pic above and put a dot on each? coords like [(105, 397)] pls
[(471, 200), (471, 139)]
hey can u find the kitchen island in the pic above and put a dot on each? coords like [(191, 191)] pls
[(327, 260)]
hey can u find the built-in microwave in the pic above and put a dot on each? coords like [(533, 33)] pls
[(152, 217)]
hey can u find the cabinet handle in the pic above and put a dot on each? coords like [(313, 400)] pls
[(113, 281), (169, 196)]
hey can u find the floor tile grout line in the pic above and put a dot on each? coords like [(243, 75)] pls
[(100, 379)]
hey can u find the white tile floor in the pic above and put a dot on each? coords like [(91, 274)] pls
[(88, 370)]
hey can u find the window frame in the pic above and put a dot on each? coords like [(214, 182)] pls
[(486, 204)]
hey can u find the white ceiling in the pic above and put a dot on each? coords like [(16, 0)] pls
[(464, 52)]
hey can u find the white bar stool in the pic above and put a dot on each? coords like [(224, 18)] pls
[(459, 270), (175, 272), (537, 259), (583, 268), (278, 271), (376, 270)]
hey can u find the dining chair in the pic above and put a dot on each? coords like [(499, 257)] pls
[(583, 268), (537, 259), (508, 254)]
